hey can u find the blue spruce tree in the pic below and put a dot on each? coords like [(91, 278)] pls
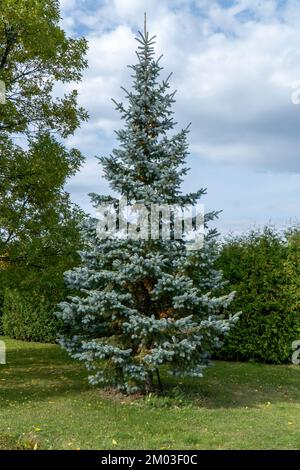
[(141, 304)]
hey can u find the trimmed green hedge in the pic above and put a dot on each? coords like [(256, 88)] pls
[(264, 270), (29, 318)]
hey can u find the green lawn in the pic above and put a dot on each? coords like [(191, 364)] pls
[(46, 403)]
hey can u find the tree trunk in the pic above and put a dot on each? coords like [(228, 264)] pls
[(159, 381), (149, 382)]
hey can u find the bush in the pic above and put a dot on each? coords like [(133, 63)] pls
[(29, 318), (263, 269)]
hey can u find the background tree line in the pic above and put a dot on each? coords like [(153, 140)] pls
[(38, 222)]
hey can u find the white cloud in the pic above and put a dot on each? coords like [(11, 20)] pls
[(232, 80), (233, 67), (66, 5)]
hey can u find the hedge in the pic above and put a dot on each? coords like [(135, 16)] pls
[(264, 270), (28, 318)]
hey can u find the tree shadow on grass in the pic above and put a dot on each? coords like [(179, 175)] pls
[(42, 372), (238, 385), (39, 373)]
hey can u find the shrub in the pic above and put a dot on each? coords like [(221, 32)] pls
[(263, 269), (29, 318)]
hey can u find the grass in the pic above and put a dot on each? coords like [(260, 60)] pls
[(46, 403), (8, 442)]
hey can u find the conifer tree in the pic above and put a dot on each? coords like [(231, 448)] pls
[(145, 303)]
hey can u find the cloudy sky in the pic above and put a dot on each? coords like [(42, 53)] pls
[(234, 64)]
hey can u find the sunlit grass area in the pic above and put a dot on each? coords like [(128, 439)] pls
[(47, 403)]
